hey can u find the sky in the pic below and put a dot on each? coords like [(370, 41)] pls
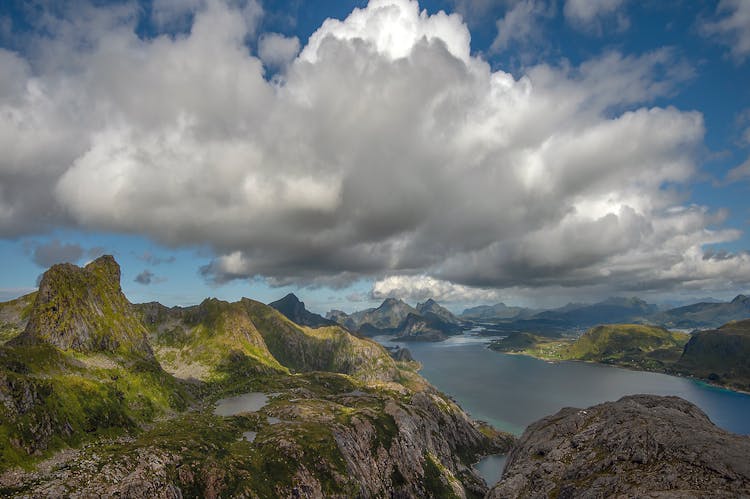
[(535, 152)]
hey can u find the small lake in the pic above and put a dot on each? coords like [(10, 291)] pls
[(491, 467), (248, 402), (512, 391)]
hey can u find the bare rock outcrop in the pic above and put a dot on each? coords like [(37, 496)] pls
[(639, 446)]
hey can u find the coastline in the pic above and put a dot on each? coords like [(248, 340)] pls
[(628, 367)]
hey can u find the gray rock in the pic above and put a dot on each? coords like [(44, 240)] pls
[(639, 446)]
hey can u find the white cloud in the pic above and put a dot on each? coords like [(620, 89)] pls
[(731, 26), (741, 172), (590, 14), (276, 50), (521, 23), (385, 148), (421, 287)]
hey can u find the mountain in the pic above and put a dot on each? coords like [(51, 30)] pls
[(295, 310), (84, 309), (434, 308), (384, 319), (629, 345), (427, 327), (704, 315), (721, 355), (639, 446), (429, 321), (497, 311), (339, 416), (14, 315), (81, 368), (609, 311), (575, 316)]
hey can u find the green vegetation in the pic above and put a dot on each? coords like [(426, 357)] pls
[(628, 345), (83, 375), (14, 315), (438, 479), (53, 399), (83, 309), (721, 356)]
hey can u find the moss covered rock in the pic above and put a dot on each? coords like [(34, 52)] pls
[(84, 309)]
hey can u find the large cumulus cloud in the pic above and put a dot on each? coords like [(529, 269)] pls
[(383, 149)]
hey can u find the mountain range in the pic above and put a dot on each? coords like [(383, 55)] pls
[(428, 321), (103, 398), (131, 394), (577, 317)]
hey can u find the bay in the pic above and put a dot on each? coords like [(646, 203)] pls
[(512, 391)]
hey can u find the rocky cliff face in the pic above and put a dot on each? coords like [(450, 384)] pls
[(84, 309), (639, 446)]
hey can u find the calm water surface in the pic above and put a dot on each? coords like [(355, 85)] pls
[(511, 391), (249, 402)]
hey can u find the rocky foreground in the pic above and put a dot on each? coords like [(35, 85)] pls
[(639, 446)]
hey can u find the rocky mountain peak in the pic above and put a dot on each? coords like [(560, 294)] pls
[(84, 309), (105, 267), (295, 310), (741, 299), (391, 302)]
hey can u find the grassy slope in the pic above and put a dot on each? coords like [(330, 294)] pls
[(14, 315), (627, 345), (722, 355), (52, 398)]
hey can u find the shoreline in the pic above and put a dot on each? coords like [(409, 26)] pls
[(629, 368)]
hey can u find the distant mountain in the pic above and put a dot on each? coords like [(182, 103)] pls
[(429, 321), (721, 355), (575, 317), (705, 314), (609, 311), (384, 319), (426, 327), (497, 311), (630, 345), (295, 310), (432, 307)]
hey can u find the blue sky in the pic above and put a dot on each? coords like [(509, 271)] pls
[(570, 150)]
